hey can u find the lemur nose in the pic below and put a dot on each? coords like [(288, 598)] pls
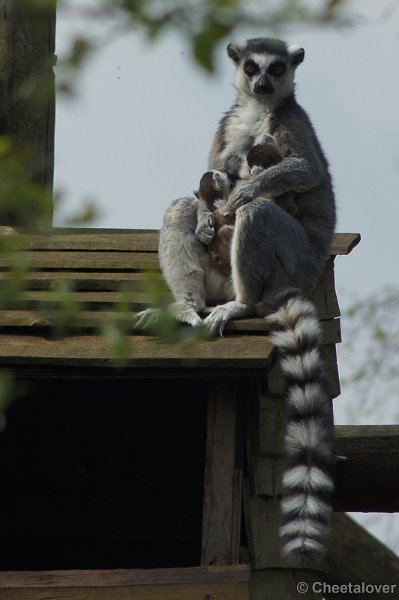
[(264, 87)]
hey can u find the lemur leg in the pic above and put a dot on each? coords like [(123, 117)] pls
[(183, 261), (270, 253)]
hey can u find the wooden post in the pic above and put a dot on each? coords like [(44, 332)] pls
[(271, 576), (27, 112), (223, 477)]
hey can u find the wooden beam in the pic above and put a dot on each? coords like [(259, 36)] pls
[(356, 557), (368, 480), (27, 116), (223, 583)]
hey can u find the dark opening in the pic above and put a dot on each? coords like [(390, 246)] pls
[(103, 474)]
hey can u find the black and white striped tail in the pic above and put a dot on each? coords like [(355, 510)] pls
[(308, 482)]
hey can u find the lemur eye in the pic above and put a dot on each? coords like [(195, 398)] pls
[(251, 68), (277, 69)]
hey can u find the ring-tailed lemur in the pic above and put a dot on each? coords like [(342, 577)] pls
[(214, 228), (272, 253)]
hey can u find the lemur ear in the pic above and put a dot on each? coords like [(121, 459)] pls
[(296, 53), (234, 52), (217, 180)]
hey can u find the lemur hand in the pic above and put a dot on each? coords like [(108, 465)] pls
[(205, 230), (242, 194)]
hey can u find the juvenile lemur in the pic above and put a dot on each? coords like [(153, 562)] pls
[(276, 260), (217, 232)]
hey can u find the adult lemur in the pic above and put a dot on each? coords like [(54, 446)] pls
[(276, 260)]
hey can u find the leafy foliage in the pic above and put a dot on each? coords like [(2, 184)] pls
[(370, 351)]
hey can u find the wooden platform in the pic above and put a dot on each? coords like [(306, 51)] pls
[(153, 463), (104, 272)]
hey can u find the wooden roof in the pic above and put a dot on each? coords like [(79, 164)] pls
[(105, 270)]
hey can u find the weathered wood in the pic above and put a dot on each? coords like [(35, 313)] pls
[(27, 38), (82, 281), (262, 495), (125, 577), (89, 240), (130, 261), (222, 482), (343, 243), (283, 585), (197, 583), (355, 556), (89, 319), (129, 240), (148, 592), (368, 480), (247, 352), (325, 296), (277, 382)]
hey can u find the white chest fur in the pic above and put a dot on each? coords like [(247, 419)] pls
[(249, 121)]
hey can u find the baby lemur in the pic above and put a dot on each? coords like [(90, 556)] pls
[(213, 194), (276, 260)]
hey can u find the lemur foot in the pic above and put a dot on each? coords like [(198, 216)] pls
[(149, 318), (189, 316), (146, 319), (219, 317), (205, 230)]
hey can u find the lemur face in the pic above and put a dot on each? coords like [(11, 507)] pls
[(265, 67)]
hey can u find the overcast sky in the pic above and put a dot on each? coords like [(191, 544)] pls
[(139, 133)]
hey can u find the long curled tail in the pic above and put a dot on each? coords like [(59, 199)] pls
[(307, 482)]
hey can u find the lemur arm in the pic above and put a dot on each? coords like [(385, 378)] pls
[(300, 170)]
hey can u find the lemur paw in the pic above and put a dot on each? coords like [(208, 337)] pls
[(146, 318), (222, 314), (242, 194), (269, 139), (205, 230), (256, 170)]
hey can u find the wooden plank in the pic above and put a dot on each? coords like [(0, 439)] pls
[(356, 557), (89, 240), (125, 577), (91, 319), (343, 243), (165, 584), (196, 583), (129, 261), (129, 239), (40, 298), (221, 591), (248, 352), (103, 281), (222, 501)]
